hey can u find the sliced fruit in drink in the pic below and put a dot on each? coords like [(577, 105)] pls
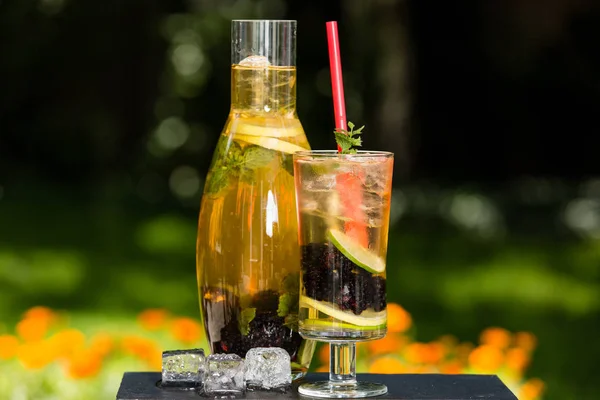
[(271, 143), (366, 318), (351, 186), (356, 252), (264, 127), (324, 324)]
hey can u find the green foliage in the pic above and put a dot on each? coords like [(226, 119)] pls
[(348, 139), (233, 162), (257, 157), (246, 316), (128, 260), (286, 301)]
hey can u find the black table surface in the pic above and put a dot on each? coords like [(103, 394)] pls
[(143, 386)]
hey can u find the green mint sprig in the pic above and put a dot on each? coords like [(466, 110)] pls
[(246, 316), (231, 161), (348, 139)]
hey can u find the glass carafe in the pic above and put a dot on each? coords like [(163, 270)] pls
[(247, 254)]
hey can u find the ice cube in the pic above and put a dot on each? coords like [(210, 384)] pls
[(255, 61), (268, 368), (224, 375), (183, 368)]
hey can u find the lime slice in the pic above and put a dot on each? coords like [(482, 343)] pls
[(263, 129), (271, 143), (356, 252), (366, 318), (323, 324)]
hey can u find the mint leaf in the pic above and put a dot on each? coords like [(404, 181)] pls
[(218, 179), (285, 302), (288, 304), (246, 316), (257, 157), (347, 140), (226, 163)]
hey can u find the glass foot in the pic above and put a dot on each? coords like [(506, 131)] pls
[(330, 390)]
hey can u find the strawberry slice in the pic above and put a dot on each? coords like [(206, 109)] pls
[(350, 188)]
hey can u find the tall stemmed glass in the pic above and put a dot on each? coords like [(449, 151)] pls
[(343, 215)]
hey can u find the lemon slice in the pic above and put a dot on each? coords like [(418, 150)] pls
[(323, 324), (366, 318), (262, 128), (271, 143), (355, 252)]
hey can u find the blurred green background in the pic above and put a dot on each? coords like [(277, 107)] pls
[(110, 111)]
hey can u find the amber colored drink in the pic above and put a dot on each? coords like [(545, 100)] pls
[(248, 260)]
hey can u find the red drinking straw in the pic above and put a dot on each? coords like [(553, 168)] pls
[(337, 83), (347, 183)]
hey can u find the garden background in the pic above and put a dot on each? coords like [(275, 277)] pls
[(109, 112)]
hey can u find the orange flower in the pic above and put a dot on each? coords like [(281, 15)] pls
[(101, 344), (435, 352), (186, 330), (517, 359), (153, 319), (391, 343), (40, 313), (532, 389), (143, 348), (35, 355), (386, 365), (84, 363), (32, 329), (525, 340), (8, 346), (486, 358), (452, 367), (497, 337), (67, 341), (398, 320), (416, 353)]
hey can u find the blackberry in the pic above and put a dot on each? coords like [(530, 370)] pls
[(377, 294), (267, 329), (318, 275), (328, 275), (354, 294), (266, 300), (231, 339), (345, 298)]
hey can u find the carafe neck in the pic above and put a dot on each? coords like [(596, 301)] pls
[(263, 90)]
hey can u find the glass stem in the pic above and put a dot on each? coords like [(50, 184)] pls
[(342, 365)]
